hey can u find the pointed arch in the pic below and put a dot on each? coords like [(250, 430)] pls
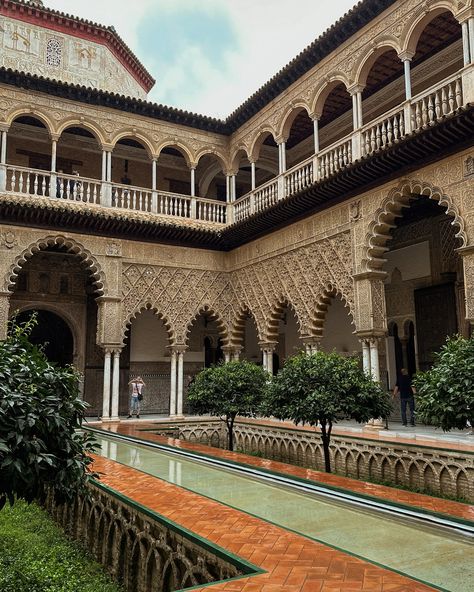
[(398, 198), (90, 262), (237, 331)]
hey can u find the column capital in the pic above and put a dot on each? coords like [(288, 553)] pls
[(315, 115), (107, 147), (54, 137), (369, 336), (355, 88), (312, 340), (406, 55), (177, 348), (4, 127), (192, 166), (268, 346), (281, 140)]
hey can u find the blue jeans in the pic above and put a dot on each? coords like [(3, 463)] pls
[(411, 405), (134, 405)]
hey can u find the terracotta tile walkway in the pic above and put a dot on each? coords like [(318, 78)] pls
[(425, 502), (292, 563)]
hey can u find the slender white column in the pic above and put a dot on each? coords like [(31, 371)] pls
[(282, 148), (270, 362), (471, 39), (3, 155), (179, 407), (360, 118), (233, 187), (193, 182), (115, 385), (54, 146), (366, 356), (106, 389), (173, 384), (109, 167), (227, 189), (374, 359), (407, 69), (316, 134), (264, 359), (104, 165), (153, 174), (466, 43), (227, 356), (252, 172), (355, 111)]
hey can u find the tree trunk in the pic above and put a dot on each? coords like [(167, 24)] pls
[(326, 438), (230, 432)]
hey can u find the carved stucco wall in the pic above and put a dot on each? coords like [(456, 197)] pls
[(298, 265), (37, 50)]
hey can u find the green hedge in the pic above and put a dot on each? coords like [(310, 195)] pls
[(36, 556)]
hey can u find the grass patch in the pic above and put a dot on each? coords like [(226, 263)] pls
[(36, 556)]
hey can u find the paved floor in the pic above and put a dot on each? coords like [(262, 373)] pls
[(292, 562)]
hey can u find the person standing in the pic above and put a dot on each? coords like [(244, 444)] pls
[(406, 390), (136, 396)]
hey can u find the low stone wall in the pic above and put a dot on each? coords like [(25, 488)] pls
[(143, 552), (433, 470)]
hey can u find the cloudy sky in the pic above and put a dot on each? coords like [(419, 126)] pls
[(208, 56)]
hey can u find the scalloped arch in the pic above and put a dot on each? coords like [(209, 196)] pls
[(72, 246), (237, 332), (273, 319), (324, 301), (144, 306), (207, 309), (397, 199)]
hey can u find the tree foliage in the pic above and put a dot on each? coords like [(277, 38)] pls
[(40, 413), (323, 388), (228, 390), (445, 394)]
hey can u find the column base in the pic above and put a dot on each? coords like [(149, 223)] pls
[(375, 424), (110, 419)]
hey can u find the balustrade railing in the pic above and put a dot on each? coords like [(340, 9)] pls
[(173, 204), (266, 195), (384, 132), (27, 181), (243, 208), (211, 211), (299, 177), (333, 159), (131, 198), (75, 188), (436, 102)]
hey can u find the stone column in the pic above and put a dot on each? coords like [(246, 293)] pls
[(407, 70), (311, 344), (106, 188), (374, 359), (180, 383), (154, 196), (316, 133), (193, 182), (3, 160), (366, 356), (233, 187), (466, 43), (282, 157), (114, 414), (228, 190), (4, 310), (173, 383), (252, 172), (268, 347), (471, 39), (3, 152), (106, 387)]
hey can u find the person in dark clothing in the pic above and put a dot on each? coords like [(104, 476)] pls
[(406, 390)]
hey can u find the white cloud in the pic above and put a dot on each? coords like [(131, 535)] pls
[(270, 34)]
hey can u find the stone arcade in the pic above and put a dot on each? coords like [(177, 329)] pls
[(332, 210)]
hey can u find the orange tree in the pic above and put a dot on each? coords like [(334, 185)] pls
[(228, 390), (321, 389), (40, 414)]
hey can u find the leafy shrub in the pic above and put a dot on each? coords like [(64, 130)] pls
[(40, 413), (445, 394)]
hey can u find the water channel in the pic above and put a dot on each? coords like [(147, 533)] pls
[(434, 556)]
